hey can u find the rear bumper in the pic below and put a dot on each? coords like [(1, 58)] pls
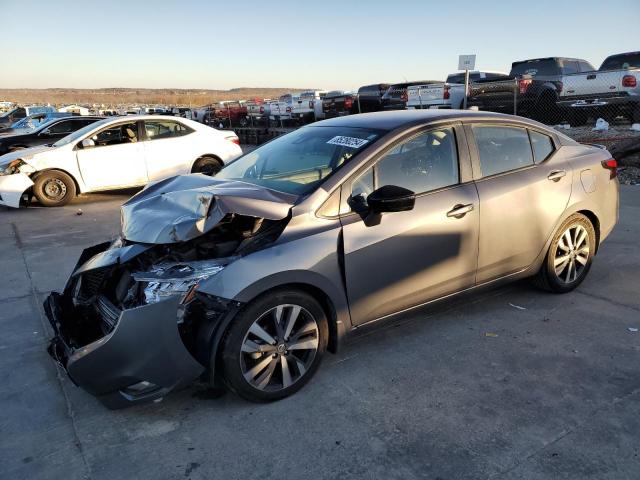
[(599, 103), (144, 346)]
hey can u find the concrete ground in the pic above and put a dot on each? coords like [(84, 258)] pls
[(509, 384)]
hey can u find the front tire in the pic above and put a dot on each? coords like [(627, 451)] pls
[(569, 257), (54, 188), (274, 346)]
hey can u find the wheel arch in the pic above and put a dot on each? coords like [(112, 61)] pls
[(79, 189), (595, 221), (207, 155)]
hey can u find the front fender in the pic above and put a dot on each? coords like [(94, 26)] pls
[(12, 187)]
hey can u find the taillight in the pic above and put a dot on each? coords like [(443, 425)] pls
[(524, 84), (445, 93), (310, 103), (261, 109), (348, 102), (235, 140), (629, 81), (404, 96), (288, 109), (612, 166)]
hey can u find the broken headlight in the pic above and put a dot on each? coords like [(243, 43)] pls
[(168, 279), (13, 167)]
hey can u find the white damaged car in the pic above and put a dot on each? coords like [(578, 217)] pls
[(111, 154)]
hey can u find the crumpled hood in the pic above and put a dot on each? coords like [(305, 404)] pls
[(7, 158), (186, 206)]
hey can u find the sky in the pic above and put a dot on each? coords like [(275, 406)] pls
[(327, 44)]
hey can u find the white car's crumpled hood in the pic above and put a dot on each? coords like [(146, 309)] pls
[(7, 158)]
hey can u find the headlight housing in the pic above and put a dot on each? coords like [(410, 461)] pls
[(167, 279), (13, 167)]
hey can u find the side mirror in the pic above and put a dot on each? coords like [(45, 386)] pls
[(88, 143), (391, 198)]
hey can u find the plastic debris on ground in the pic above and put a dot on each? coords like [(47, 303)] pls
[(517, 306), (489, 334), (79, 211), (601, 124), (632, 329)]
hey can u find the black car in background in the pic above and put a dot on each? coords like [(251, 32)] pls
[(531, 89), (395, 98), (370, 97), (49, 132)]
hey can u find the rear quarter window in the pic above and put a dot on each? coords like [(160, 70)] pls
[(620, 62), (542, 146), (544, 67)]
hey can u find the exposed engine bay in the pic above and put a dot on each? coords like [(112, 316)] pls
[(98, 296)]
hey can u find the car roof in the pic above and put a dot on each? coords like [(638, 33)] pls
[(405, 118)]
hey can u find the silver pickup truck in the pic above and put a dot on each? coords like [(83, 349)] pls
[(611, 91)]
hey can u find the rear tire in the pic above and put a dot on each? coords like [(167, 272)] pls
[(569, 257), (264, 359), (207, 165), (54, 188)]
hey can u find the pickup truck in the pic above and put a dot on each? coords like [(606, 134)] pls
[(231, 114), (449, 94), (258, 110), (395, 98), (308, 106), (611, 91), (280, 111), (338, 103), (532, 88), (370, 97)]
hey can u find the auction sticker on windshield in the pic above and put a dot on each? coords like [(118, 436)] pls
[(348, 141)]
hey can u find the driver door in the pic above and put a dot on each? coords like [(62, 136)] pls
[(115, 160), (404, 259)]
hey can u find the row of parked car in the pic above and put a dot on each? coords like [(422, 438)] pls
[(546, 89)]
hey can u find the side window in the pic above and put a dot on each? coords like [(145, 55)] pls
[(542, 146), (65, 126), (360, 190), (117, 135), (502, 148), (586, 67), (159, 129), (422, 163), (569, 67)]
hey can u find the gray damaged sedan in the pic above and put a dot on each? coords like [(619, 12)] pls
[(247, 279)]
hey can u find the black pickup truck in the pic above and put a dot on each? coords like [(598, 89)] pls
[(531, 90), (370, 97), (339, 103)]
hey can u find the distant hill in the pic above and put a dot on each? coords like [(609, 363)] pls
[(117, 96)]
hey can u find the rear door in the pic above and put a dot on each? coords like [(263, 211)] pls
[(524, 185), (408, 258), (116, 159), (168, 148)]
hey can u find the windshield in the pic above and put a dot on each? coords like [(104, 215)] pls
[(542, 67), (298, 162), (622, 62), (78, 134)]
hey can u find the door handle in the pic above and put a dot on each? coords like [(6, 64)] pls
[(459, 210), (556, 175)]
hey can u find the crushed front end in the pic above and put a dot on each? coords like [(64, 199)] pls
[(130, 325)]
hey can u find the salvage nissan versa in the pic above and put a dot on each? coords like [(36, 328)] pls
[(248, 278)]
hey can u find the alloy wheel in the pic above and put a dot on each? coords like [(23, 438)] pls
[(279, 347), (572, 254)]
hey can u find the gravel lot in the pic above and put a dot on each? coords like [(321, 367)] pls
[(511, 383)]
